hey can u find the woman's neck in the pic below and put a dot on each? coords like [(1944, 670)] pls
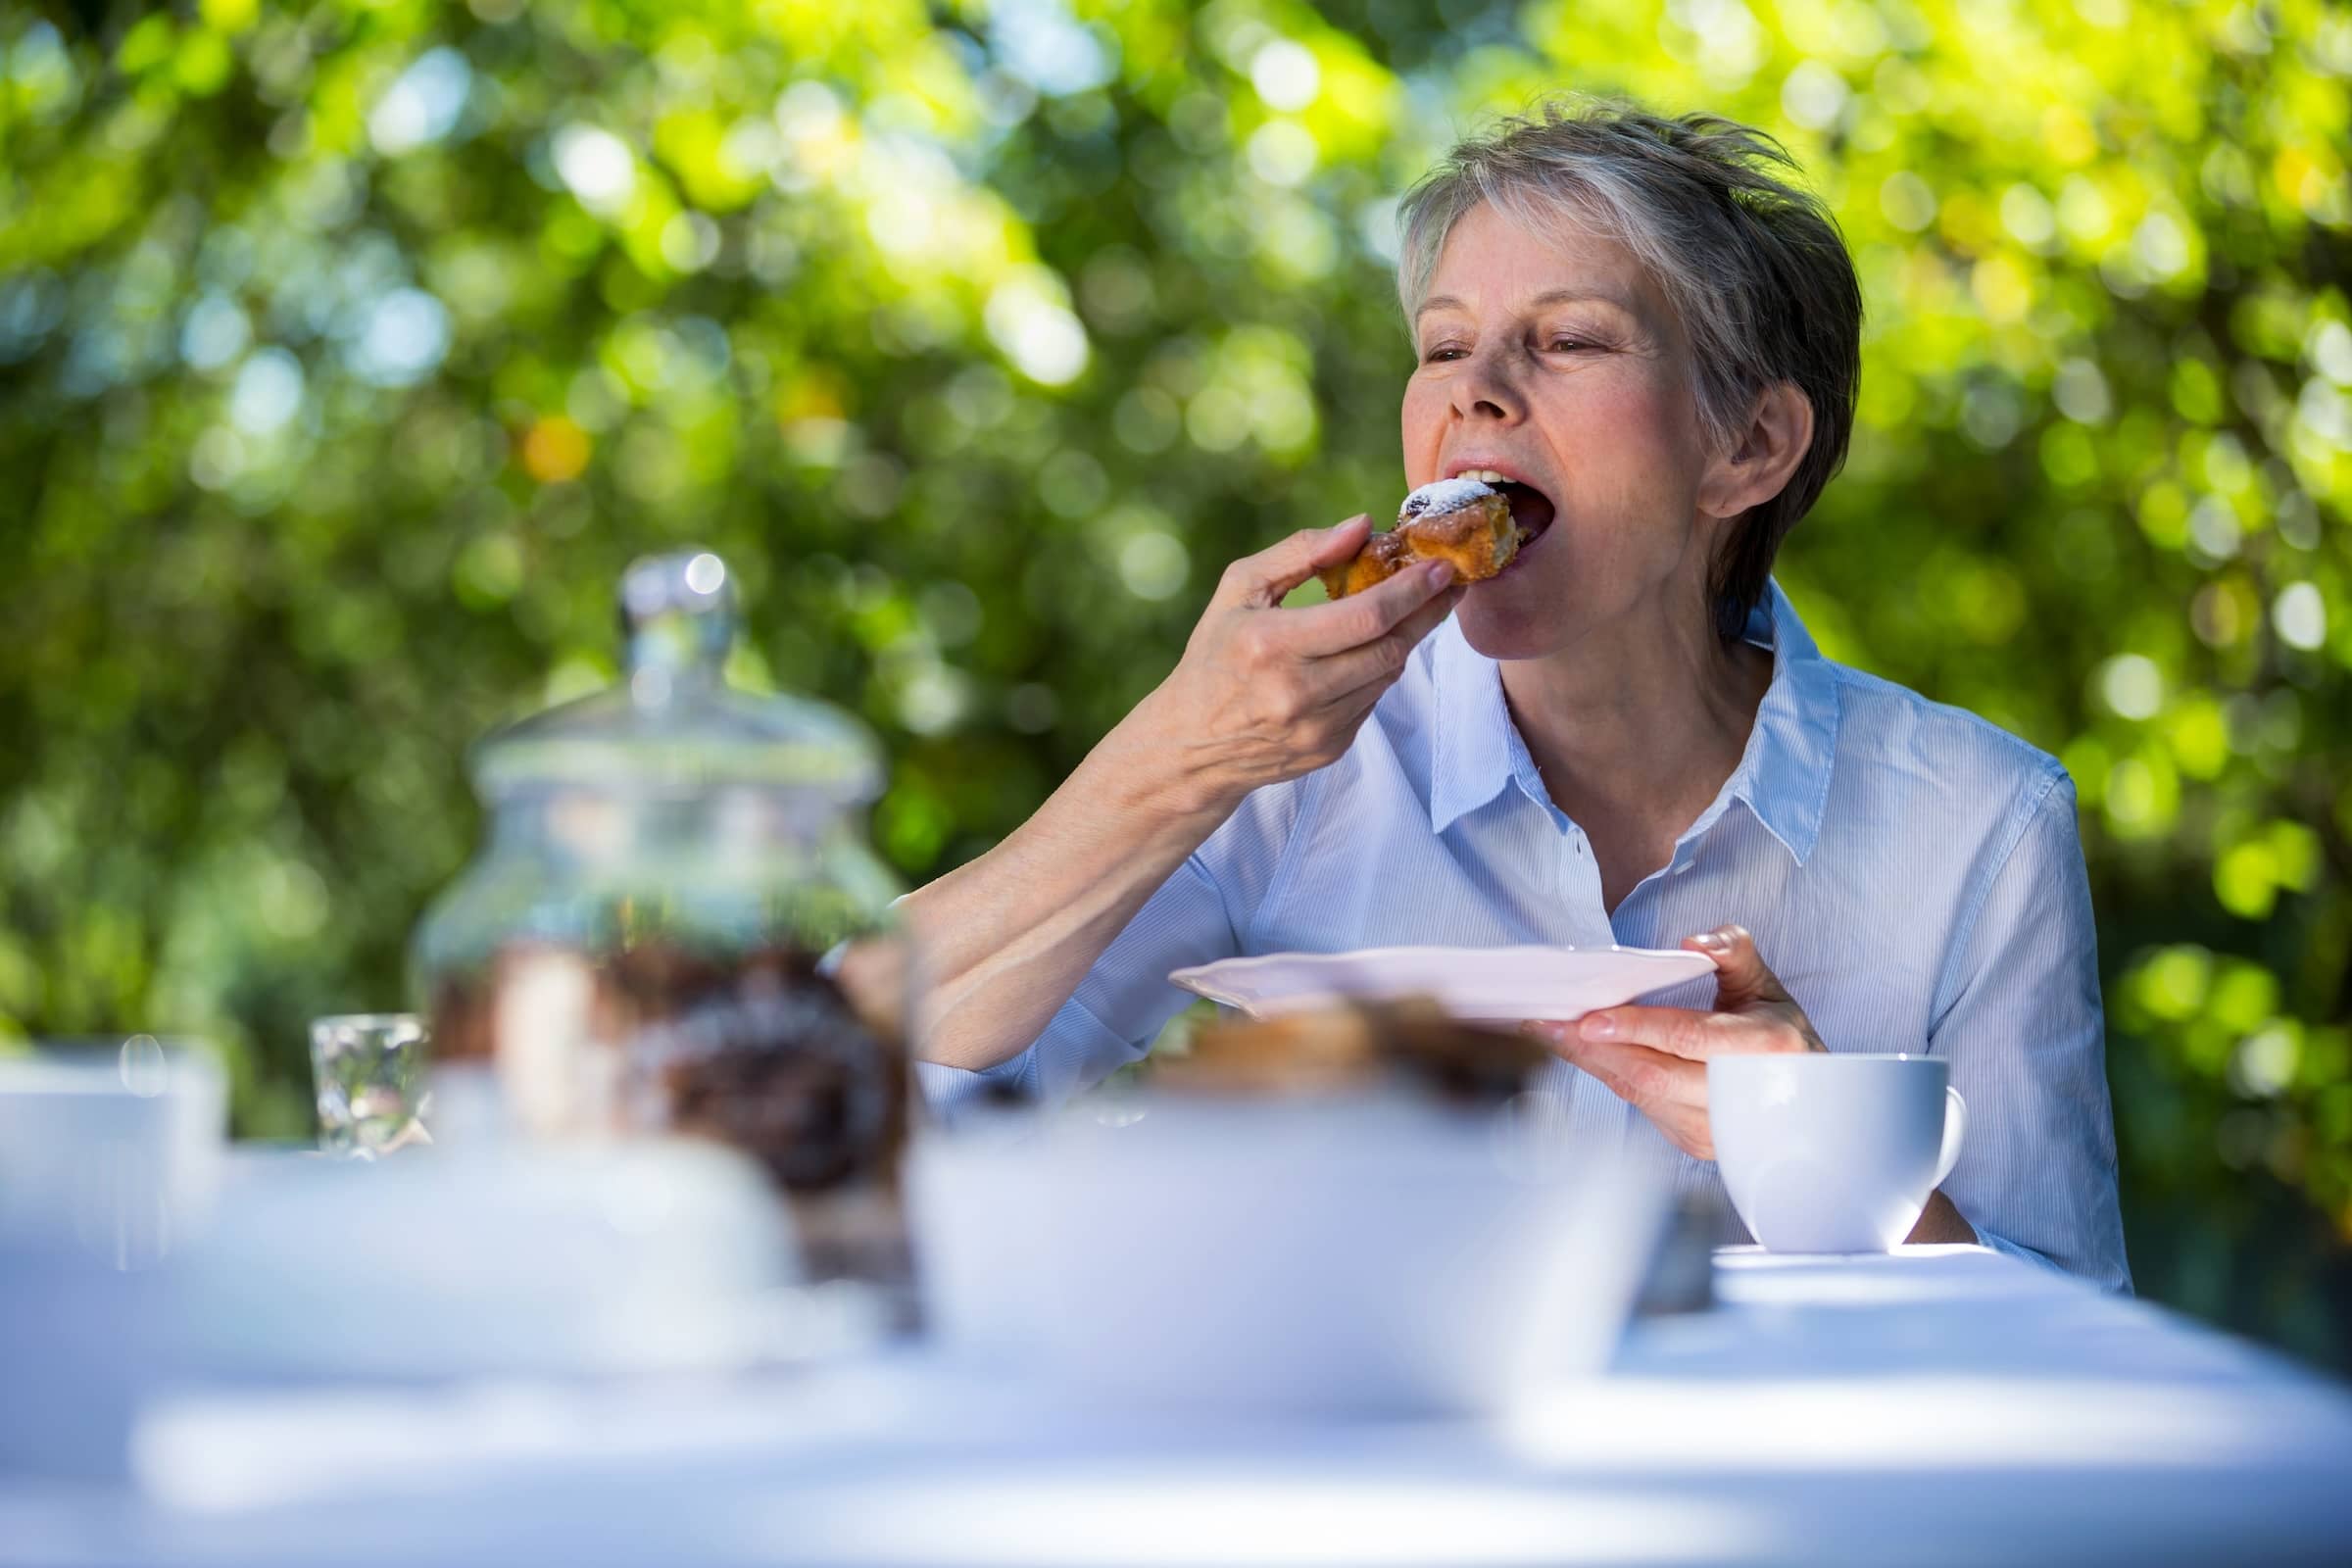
[(1635, 731)]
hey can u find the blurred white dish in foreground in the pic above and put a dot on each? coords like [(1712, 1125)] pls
[(111, 1153), (646, 1257), (1370, 1256), (1479, 985), (112, 1145)]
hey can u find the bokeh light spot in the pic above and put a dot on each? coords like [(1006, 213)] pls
[(1153, 564), (423, 103), (1906, 201), (1814, 95), (1282, 151), (215, 333), (2265, 1061), (555, 450), (597, 166), (1285, 75), (2133, 686), (404, 341), (2300, 614), (1043, 44), (267, 392), (1037, 332)]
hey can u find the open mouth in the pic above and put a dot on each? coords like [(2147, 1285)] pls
[(1532, 512)]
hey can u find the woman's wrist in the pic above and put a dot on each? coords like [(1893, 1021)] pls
[(1154, 771), (1007, 936)]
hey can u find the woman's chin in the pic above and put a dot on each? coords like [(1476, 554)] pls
[(1518, 615)]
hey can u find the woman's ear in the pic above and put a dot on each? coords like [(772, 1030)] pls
[(1762, 456)]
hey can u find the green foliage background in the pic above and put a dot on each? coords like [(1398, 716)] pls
[(348, 350)]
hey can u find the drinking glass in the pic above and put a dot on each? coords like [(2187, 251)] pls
[(373, 1090)]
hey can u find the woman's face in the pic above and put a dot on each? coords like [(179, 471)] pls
[(1559, 363)]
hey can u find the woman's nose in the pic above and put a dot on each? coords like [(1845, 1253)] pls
[(1486, 388)]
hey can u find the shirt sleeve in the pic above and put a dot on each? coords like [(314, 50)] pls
[(1195, 916), (2026, 1038)]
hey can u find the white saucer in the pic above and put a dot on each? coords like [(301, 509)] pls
[(1483, 985)]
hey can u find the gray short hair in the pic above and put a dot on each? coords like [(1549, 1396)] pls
[(1755, 267)]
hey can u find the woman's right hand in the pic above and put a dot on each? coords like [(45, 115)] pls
[(1264, 694)]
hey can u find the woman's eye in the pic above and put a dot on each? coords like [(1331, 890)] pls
[(1436, 355), (1564, 343)]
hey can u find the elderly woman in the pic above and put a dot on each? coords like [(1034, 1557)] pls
[(1627, 736)]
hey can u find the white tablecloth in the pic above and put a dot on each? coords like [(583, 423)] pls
[(1943, 1405)]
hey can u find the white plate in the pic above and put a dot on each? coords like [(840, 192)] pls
[(1486, 984)]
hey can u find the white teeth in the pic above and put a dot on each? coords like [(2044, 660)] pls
[(1484, 476)]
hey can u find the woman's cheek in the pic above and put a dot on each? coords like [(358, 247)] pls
[(1424, 410), (1634, 413)]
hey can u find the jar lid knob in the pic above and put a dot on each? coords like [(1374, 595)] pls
[(677, 617)]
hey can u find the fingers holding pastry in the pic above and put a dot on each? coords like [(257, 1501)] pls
[(1382, 556), (1262, 580), (1323, 631), (1377, 663), (1264, 693)]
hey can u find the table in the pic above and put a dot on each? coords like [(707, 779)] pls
[(1940, 1406)]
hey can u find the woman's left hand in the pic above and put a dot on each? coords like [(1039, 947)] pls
[(1655, 1059)]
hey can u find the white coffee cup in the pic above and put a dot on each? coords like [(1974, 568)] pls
[(1832, 1152)]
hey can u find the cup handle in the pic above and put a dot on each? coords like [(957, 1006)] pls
[(1955, 1130)]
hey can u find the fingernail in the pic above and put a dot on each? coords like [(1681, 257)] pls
[(1599, 1026), (1712, 941), (1441, 573)]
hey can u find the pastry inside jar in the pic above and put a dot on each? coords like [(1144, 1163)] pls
[(769, 1055)]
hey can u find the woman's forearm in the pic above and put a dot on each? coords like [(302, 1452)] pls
[(1004, 940), (1261, 695)]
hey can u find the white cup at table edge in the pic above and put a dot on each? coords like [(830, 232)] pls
[(1833, 1151)]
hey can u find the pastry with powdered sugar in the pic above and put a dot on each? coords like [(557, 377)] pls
[(1465, 522)]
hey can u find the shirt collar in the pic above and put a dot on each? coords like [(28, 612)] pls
[(1783, 777)]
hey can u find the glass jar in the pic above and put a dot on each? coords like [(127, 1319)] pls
[(653, 938)]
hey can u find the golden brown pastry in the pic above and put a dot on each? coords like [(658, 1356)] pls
[(1459, 520), (1382, 557)]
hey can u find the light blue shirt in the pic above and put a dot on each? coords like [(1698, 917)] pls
[(1913, 875)]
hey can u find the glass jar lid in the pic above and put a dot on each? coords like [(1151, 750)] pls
[(673, 729)]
